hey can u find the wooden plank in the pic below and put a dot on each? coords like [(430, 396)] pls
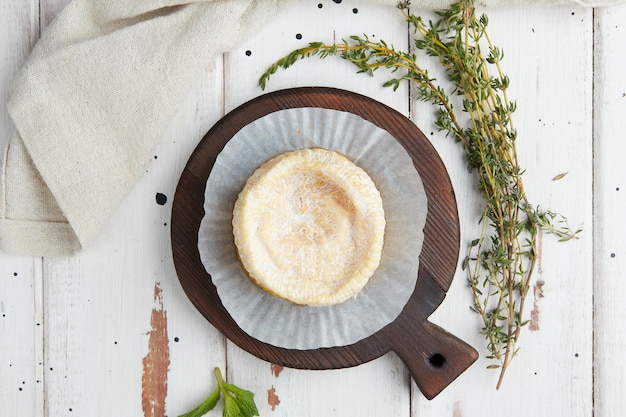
[(352, 391), (306, 23), (21, 332), (121, 336), (548, 56), (119, 308), (609, 208), (21, 297)]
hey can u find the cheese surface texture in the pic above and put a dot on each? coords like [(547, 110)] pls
[(309, 227)]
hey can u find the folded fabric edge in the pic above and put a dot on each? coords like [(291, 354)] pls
[(26, 237)]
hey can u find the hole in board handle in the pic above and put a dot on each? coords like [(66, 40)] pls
[(437, 360)]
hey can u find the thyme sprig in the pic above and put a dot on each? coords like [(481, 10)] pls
[(500, 263)]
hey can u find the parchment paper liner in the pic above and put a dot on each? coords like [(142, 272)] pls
[(279, 322)]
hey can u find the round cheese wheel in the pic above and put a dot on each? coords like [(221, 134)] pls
[(309, 227)]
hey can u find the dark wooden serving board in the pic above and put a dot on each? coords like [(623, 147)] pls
[(433, 356)]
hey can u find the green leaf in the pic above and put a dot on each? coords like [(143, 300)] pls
[(231, 408), (243, 399), (238, 402), (206, 406)]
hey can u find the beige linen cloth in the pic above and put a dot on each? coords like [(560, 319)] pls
[(91, 102)]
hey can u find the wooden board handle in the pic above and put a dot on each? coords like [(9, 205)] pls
[(433, 356)]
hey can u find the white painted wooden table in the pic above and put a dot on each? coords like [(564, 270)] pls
[(75, 332)]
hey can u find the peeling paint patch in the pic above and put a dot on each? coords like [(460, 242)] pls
[(276, 369), (534, 314), (272, 398), (156, 362), (456, 410)]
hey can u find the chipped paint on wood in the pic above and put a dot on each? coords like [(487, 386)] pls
[(156, 362), (534, 314), (276, 369), (272, 398), (456, 411)]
